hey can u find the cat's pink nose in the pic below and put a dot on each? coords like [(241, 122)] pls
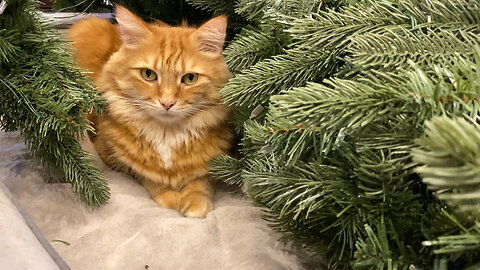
[(167, 104)]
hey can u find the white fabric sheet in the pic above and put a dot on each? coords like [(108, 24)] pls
[(132, 232)]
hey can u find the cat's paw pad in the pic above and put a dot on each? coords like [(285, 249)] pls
[(168, 199), (196, 205)]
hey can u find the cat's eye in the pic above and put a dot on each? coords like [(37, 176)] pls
[(190, 78), (148, 74)]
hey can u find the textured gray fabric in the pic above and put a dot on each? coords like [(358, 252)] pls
[(20, 246), (131, 232)]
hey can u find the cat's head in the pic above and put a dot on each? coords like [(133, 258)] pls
[(167, 73)]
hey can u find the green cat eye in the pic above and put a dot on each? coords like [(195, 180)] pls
[(190, 78), (148, 74)]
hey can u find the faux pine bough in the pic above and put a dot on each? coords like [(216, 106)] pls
[(450, 153), (333, 100), (45, 98)]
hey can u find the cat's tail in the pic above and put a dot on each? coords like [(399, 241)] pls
[(94, 41)]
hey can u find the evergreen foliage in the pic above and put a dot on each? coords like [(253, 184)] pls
[(331, 98), (450, 153), (45, 98)]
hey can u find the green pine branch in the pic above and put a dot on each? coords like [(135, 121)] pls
[(253, 10), (254, 86), (45, 98), (227, 169), (253, 45), (217, 7), (380, 51), (414, 65), (450, 154)]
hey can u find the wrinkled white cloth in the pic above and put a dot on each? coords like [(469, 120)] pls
[(132, 232), (17, 239)]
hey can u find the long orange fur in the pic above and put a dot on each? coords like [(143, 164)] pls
[(168, 150)]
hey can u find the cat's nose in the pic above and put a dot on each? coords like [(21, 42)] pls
[(167, 103)]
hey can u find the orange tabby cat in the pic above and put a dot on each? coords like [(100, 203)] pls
[(164, 120)]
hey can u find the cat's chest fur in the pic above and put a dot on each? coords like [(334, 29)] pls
[(166, 142)]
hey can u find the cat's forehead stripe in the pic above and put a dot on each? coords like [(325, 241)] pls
[(169, 50), (172, 55), (181, 64), (156, 60), (169, 58), (165, 51), (178, 53)]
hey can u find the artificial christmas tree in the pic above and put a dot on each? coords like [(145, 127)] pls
[(330, 109), (45, 98)]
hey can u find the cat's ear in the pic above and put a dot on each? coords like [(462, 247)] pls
[(211, 35), (132, 28)]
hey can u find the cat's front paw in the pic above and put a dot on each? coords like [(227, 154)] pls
[(196, 204), (168, 199)]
